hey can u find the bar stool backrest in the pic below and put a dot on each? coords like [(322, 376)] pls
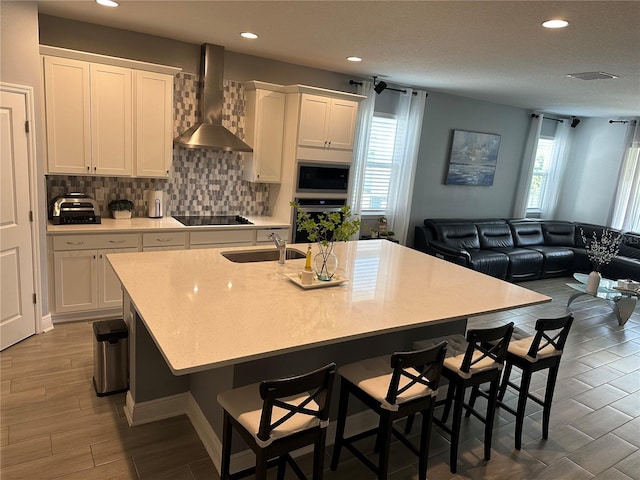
[(550, 332), (317, 385), (417, 367), (490, 343)]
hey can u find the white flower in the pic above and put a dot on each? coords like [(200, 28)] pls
[(601, 251)]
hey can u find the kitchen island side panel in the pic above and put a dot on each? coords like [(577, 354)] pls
[(151, 377)]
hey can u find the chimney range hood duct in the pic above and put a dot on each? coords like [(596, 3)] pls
[(210, 133)]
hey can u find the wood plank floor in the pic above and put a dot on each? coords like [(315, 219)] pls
[(53, 426)]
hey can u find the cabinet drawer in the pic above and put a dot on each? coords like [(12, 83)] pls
[(262, 236), (87, 242), (222, 236), (161, 239)]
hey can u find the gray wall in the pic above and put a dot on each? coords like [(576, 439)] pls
[(20, 64), (443, 114), (592, 172), (74, 35)]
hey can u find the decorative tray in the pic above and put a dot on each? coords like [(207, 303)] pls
[(627, 290), (335, 281)]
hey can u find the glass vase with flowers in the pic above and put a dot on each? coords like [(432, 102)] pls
[(325, 229), (600, 252)]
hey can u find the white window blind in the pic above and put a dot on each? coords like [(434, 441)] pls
[(377, 173), (541, 169)]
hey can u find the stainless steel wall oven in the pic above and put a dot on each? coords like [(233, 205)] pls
[(314, 207)]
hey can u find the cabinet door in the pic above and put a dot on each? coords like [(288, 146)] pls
[(269, 131), (111, 120), (314, 118), (109, 287), (153, 124), (342, 124), (68, 115), (75, 280)]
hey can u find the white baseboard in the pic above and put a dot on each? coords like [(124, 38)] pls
[(158, 409), (46, 324), (184, 403), (107, 314)]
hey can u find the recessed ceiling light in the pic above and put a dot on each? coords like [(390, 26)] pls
[(354, 59), (107, 3), (555, 23), (249, 35)]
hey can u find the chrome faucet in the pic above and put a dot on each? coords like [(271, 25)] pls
[(281, 245)]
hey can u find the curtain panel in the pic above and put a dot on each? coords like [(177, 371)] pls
[(526, 171), (626, 211)]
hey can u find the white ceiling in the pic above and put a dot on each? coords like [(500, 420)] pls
[(490, 50)]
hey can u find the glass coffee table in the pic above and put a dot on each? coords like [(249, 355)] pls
[(622, 302)]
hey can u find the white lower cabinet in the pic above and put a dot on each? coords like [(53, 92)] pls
[(109, 287), (83, 279), (223, 238), (155, 242)]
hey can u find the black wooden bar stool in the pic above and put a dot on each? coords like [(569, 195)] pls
[(471, 362), (393, 387), (542, 351), (275, 417)]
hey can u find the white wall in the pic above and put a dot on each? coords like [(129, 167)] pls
[(20, 64), (591, 175)]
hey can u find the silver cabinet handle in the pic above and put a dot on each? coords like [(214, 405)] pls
[(74, 243), (163, 240), (117, 241)]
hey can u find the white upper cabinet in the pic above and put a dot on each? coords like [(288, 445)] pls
[(153, 137), (103, 119), (68, 115), (264, 131), (327, 123), (111, 120)]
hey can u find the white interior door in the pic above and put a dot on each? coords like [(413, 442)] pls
[(17, 310)]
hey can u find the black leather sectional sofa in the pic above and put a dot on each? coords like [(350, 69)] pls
[(519, 250)]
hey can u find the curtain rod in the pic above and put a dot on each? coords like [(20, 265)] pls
[(535, 115), (353, 82)]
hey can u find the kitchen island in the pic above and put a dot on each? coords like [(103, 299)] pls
[(200, 324)]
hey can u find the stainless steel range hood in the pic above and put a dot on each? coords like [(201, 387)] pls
[(210, 133)]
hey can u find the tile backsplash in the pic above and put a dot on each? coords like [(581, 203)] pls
[(200, 181)]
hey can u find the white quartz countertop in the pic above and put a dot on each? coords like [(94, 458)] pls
[(141, 224), (204, 311)]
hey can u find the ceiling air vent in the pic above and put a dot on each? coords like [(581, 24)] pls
[(591, 75)]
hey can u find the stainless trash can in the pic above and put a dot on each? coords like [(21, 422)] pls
[(111, 357)]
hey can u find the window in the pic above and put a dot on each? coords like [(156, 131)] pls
[(540, 178), (377, 171)]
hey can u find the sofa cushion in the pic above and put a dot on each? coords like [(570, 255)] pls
[(630, 246), (622, 268), (557, 260), (492, 263), (494, 235), (558, 233), (460, 235), (524, 263), (526, 234)]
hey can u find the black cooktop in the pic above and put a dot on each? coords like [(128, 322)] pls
[(199, 220)]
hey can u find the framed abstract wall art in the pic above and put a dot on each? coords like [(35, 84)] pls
[(473, 158)]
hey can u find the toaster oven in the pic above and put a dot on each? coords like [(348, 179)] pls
[(74, 208)]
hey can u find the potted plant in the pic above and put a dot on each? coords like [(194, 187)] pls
[(326, 229), (121, 208)]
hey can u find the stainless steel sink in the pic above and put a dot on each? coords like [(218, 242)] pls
[(267, 255)]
